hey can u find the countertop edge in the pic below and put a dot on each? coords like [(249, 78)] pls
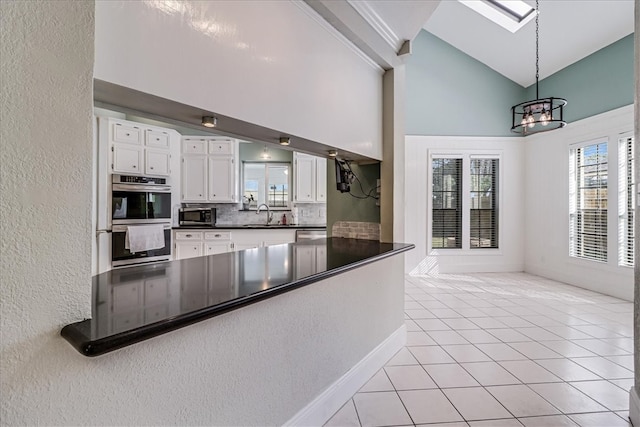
[(74, 334)]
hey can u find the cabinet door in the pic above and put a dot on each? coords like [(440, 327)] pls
[(221, 179), (126, 133), (223, 147), (155, 138), (321, 180), (157, 162), (305, 178), (127, 159), (188, 250), (194, 146), (194, 178)]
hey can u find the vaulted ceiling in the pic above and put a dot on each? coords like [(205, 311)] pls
[(569, 31)]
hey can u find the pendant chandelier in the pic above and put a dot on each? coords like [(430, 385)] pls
[(539, 115)]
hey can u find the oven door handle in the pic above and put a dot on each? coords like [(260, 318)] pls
[(123, 228), (142, 188)]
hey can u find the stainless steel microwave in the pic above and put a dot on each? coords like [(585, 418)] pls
[(205, 217)]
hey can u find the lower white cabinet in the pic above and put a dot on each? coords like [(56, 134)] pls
[(189, 244), (217, 242)]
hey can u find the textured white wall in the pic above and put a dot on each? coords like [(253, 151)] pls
[(46, 152), (510, 256), (258, 365), (547, 205), (269, 63)]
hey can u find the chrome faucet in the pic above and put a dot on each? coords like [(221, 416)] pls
[(269, 214)]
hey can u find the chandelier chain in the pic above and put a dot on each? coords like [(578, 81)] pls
[(537, 42)]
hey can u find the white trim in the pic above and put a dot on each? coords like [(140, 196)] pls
[(634, 407), (367, 12), (338, 35), (327, 403)]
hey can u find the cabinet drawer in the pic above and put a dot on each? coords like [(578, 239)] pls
[(223, 147), (217, 235), (188, 235), (194, 146), (154, 138), (126, 134)]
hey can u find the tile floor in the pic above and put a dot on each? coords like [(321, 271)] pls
[(502, 349)]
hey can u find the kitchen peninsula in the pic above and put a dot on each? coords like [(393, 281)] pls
[(137, 303)]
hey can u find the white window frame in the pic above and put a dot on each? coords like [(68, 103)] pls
[(573, 189), (626, 199), (466, 156)]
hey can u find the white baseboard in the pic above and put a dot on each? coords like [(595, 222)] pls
[(634, 407), (320, 409)]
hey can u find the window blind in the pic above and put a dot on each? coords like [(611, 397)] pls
[(588, 202), (626, 200), (446, 230), (484, 209)]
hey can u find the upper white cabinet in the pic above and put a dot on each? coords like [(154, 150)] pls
[(138, 149), (310, 178), (209, 170)]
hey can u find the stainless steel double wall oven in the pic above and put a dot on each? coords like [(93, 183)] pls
[(139, 200)]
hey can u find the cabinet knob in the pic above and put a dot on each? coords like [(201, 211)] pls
[(200, 195), (151, 167), (128, 134), (157, 139), (134, 166), (187, 235), (217, 235)]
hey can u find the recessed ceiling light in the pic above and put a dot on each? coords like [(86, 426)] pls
[(333, 153), (285, 141), (209, 121)]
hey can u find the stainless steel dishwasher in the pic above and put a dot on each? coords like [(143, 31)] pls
[(310, 234)]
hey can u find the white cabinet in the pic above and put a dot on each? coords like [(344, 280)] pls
[(188, 244), (194, 178), (221, 179), (217, 242), (209, 170), (310, 178), (139, 150), (321, 180), (127, 159)]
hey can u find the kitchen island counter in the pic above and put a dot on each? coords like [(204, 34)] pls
[(137, 303)]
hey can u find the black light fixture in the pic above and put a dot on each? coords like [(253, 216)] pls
[(209, 121), (539, 115)]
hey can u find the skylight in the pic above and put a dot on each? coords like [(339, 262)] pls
[(509, 14)]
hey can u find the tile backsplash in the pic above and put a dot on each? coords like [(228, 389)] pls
[(356, 230), (308, 214)]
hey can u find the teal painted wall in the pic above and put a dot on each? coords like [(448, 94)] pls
[(600, 82), (450, 93), (342, 206)]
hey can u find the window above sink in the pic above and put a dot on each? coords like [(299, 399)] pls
[(266, 182)]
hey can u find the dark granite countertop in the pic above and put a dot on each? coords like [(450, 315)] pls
[(133, 304), (251, 226)]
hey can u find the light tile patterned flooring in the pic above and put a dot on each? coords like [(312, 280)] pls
[(502, 349)]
